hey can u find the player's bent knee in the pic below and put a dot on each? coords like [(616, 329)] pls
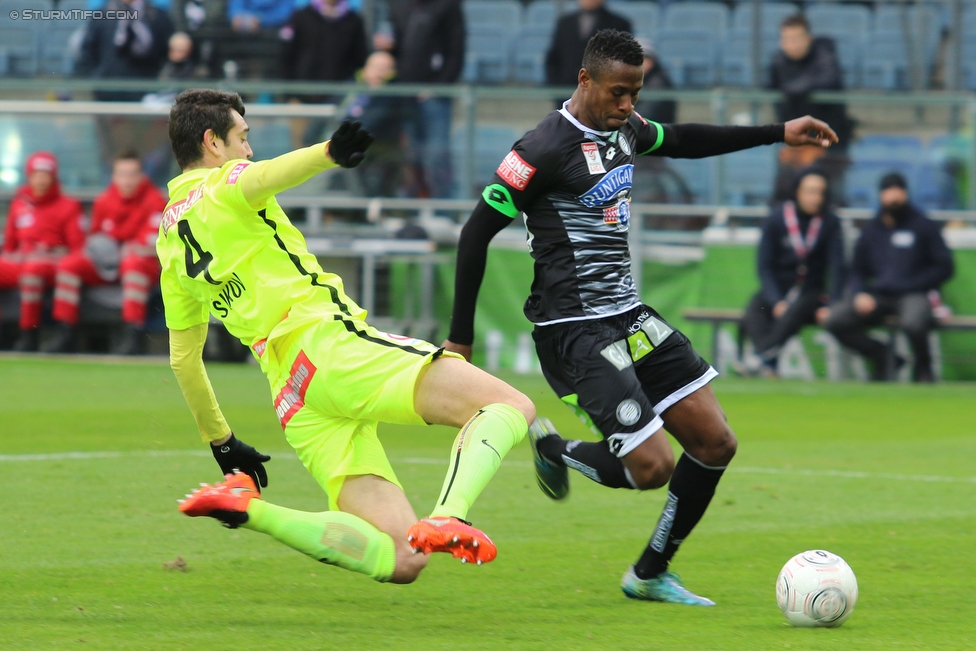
[(718, 450), (652, 475), (522, 402)]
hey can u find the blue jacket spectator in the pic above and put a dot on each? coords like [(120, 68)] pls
[(801, 248), (252, 15), (899, 261)]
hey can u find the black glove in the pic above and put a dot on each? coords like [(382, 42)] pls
[(234, 454), (349, 144)]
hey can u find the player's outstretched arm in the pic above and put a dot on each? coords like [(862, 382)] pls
[(186, 360), (264, 179), (485, 222)]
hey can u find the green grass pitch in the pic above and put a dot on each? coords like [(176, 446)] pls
[(882, 475)]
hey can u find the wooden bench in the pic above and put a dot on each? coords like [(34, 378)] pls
[(720, 316)]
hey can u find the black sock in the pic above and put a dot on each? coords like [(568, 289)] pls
[(593, 460), (691, 489)]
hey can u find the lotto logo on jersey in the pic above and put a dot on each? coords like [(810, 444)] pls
[(236, 173), (515, 171)]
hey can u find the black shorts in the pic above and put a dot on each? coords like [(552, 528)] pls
[(620, 373)]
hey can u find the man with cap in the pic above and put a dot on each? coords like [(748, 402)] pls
[(898, 260), (42, 226)]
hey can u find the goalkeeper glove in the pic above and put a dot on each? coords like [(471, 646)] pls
[(234, 454), (349, 143)]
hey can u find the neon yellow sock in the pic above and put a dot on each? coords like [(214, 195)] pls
[(478, 451), (331, 537)]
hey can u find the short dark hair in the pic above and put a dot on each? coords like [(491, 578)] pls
[(195, 111), (796, 20), (127, 154), (608, 46)]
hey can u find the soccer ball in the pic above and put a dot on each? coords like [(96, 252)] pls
[(816, 588)]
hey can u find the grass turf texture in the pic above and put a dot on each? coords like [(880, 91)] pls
[(881, 475)]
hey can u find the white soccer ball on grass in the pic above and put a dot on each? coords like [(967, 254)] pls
[(816, 588)]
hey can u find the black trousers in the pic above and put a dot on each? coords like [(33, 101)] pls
[(915, 317), (767, 333)]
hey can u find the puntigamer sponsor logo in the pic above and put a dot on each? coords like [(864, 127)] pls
[(609, 186)]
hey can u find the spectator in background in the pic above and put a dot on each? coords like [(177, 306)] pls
[(122, 48), (42, 226), (801, 246), (182, 61), (251, 16), (323, 41), (428, 45), (662, 111), (573, 31), (381, 173), (899, 260), (806, 64), (120, 216)]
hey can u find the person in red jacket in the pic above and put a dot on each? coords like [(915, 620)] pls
[(120, 216), (42, 226)]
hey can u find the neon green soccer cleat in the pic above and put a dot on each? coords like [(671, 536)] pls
[(666, 588), (553, 479)]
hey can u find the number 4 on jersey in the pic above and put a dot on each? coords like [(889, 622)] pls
[(191, 247)]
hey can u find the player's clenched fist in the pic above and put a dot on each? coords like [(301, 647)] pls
[(235, 454), (349, 144)]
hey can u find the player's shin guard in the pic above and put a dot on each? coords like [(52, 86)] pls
[(689, 493), (477, 453), (331, 537), (592, 460)]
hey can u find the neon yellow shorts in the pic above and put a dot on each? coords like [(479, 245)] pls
[(332, 382)]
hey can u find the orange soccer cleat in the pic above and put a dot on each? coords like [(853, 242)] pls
[(227, 500), (454, 536)]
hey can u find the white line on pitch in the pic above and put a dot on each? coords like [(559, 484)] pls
[(428, 461)]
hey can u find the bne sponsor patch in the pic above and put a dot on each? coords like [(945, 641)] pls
[(515, 171)]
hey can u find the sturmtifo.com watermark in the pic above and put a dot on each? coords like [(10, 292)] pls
[(74, 14)]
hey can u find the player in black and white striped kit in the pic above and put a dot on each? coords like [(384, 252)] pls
[(612, 359)]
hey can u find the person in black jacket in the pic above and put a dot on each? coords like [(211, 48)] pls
[(323, 41), (428, 44), (803, 65), (124, 48), (573, 30), (898, 260), (801, 245)]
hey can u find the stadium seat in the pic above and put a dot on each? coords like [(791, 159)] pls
[(772, 16), (706, 16), (887, 148), (921, 21), (737, 69), (840, 21), (690, 56), (643, 16), (969, 62), (885, 64), (486, 57), (529, 49), (491, 144), (697, 175), (18, 51), (749, 176), (269, 138), (478, 14), (541, 13), (56, 54)]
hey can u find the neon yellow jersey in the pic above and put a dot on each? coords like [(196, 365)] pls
[(249, 268)]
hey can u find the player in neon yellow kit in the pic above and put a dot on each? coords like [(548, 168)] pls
[(227, 249)]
